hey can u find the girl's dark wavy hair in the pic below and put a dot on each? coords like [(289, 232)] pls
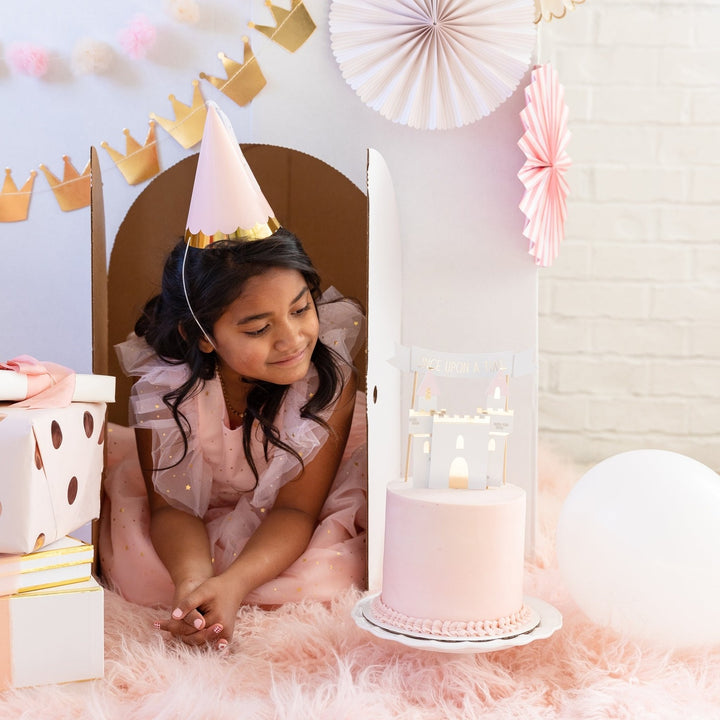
[(215, 277)]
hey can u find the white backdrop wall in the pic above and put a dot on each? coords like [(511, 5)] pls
[(630, 313), (469, 284)]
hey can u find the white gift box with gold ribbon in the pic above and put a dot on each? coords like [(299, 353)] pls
[(52, 463), (52, 636)]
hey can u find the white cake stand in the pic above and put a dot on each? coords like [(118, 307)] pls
[(550, 620)]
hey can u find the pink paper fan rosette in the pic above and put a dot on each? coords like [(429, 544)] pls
[(433, 64), (543, 174)]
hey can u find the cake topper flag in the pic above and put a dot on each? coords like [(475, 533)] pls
[(227, 202)]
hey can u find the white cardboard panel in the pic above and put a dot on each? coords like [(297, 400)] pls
[(384, 332)]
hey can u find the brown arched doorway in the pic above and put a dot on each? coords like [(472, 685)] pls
[(318, 203)]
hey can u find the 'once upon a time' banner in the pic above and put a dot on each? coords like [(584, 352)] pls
[(468, 365)]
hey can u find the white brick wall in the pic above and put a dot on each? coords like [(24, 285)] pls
[(630, 312)]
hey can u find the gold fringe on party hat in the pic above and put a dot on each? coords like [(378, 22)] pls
[(227, 202)]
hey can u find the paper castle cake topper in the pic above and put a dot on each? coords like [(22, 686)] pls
[(459, 451), (227, 202)]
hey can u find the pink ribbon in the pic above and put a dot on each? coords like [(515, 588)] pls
[(49, 385)]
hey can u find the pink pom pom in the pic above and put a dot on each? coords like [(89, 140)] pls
[(28, 59), (137, 37)]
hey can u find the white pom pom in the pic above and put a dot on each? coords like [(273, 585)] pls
[(184, 11), (91, 57)]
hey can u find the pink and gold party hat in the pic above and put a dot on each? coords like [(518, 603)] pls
[(227, 202)]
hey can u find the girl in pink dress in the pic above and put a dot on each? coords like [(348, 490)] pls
[(244, 480)]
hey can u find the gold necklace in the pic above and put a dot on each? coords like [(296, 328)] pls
[(238, 413)]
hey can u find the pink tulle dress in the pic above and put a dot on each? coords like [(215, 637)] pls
[(215, 482)]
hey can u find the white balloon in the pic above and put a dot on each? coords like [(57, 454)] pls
[(638, 546)]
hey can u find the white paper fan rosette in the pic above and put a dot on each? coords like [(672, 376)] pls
[(433, 64), (543, 174)]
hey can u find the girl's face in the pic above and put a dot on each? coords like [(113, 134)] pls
[(269, 331)]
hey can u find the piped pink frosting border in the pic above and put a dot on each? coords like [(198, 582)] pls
[(451, 628)]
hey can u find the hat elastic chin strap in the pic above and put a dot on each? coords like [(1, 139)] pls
[(187, 299)]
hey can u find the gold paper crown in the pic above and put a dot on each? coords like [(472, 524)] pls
[(244, 81), (293, 27), (14, 203), (139, 163), (187, 128), (73, 192)]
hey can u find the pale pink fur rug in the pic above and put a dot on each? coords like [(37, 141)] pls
[(309, 661)]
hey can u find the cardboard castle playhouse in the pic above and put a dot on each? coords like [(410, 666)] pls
[(353, 237)]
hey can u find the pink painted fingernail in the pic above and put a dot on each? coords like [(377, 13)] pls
[(198, 623), (222, 644), (217, 629), (177, 613), (156, 625)]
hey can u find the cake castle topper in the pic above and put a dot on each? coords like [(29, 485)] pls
[(458, 451), (140, 162), (244, 80), (187, 128), (14, 203), (227, 202), (292, 27), (73, 191)]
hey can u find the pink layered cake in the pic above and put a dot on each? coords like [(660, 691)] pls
[(453, 562)]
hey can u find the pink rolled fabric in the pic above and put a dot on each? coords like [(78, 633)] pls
[(49, 385)]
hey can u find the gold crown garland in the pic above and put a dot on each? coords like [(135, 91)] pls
[(14, 203), (244, 80), (73, 192), (140, 162), (292, 27), (187, 128)]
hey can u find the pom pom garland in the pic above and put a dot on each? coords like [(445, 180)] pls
[(91, 57), (184, 11), (137, 37), (28, 59)]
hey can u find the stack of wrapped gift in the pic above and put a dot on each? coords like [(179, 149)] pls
[(52, 448)]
